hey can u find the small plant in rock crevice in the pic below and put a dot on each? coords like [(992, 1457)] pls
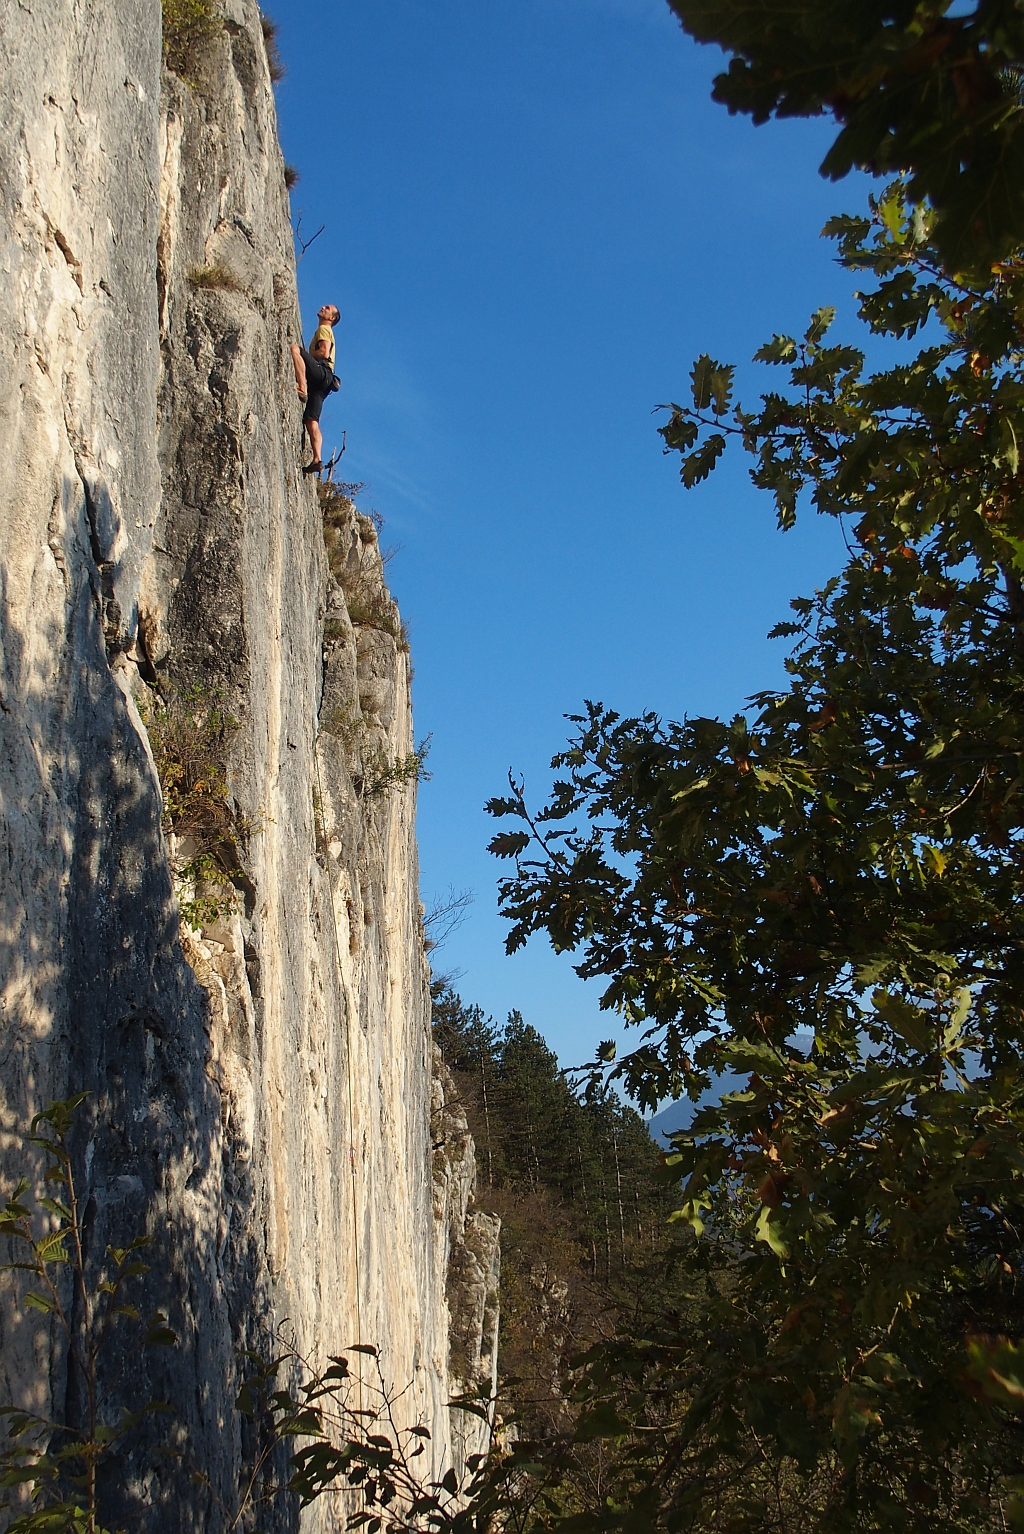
[(344, 723), (383, 773), (215, 276), (274, 62), (337, 500), (189, 27), (374, 609), (189, 732)]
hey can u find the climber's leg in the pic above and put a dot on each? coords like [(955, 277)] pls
[(311, 421), (298, 362)]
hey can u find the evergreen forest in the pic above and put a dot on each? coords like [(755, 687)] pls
[(573, 1175)]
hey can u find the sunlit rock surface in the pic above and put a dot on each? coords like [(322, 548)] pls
[(264, 1101)]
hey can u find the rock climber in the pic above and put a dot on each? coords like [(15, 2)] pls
[(315, 379)]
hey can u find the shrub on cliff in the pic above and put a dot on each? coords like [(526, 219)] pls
[(189, 734), (189, 27), (275, 63)]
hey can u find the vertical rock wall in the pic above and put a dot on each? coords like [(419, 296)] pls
[(94, 994), (263, 1091)]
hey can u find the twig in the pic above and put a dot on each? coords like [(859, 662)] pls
[(305, 244)]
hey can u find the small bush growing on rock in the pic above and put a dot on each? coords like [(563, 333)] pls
[(189, 731), (216, 276), (291, 177), (189, 26), (384, 773), (372, 609), (345, 723), (337, 501), (274, 61)]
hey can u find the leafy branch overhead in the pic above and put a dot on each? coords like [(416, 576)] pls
[(926, 450), (917, 87)]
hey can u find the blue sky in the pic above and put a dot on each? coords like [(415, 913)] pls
[(535, 219)]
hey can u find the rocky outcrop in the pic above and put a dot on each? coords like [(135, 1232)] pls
[(262, 1087), (473, 1261)]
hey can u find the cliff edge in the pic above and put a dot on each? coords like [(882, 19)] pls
[(245, 996)]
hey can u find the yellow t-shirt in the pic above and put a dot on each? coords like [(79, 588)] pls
[(323, 333)]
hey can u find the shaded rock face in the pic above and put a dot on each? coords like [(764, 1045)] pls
[(474, 1261), (264, 1100)]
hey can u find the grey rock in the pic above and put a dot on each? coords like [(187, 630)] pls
[(262, 1087)]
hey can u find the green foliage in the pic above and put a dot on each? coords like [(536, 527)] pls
[(340, 1425), (534, 1128), (49, 1465), (572, 1176), (916, 90), (189, 27), (846, 862), (189, 734), (925, 451), (382, 773)]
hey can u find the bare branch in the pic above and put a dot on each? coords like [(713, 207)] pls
[(305, 244), (445, 915)]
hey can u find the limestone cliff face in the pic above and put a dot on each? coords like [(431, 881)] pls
[(264, 1097)]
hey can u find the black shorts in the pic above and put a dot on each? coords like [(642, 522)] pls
[(319, 383), (314, 404)]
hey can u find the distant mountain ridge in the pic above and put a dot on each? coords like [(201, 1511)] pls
[(680, 1114)]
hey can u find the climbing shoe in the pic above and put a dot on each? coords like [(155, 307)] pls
[(313, 468)]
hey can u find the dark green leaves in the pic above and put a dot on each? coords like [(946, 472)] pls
[(679, 433), (778, 349), (697, 466), (869, 447), (509, 844), (821, 319), (712, 385), (158, 1333), (913, 89), (841, 866), (712, 391)]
